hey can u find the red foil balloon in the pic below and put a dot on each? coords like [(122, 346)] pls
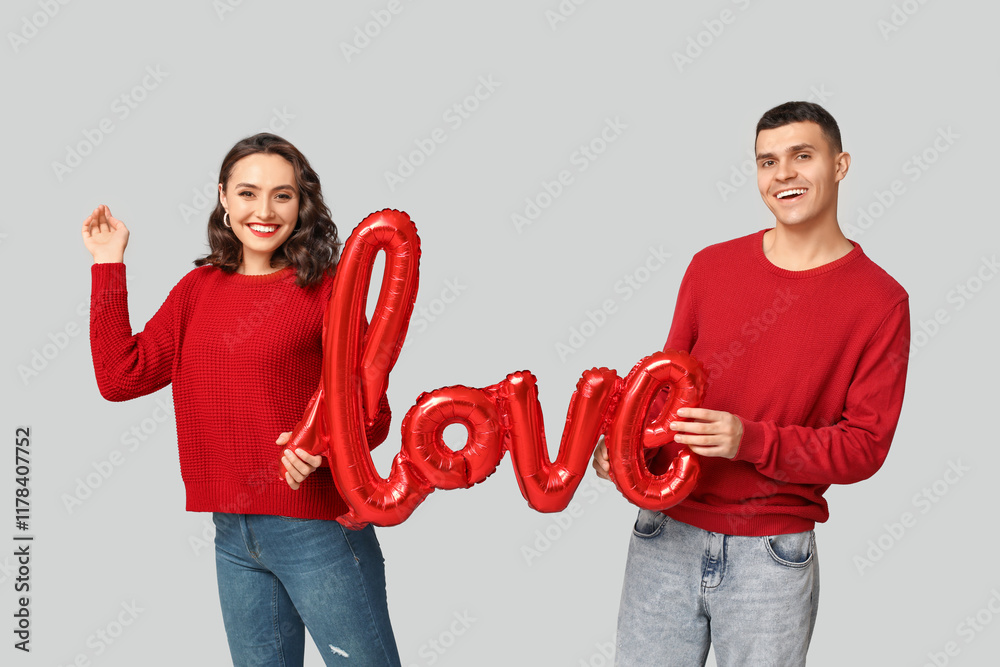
[(684, 378), (505, 416), (549, 486), (310, 433), (423, 441), (356, 368), (350, 361)]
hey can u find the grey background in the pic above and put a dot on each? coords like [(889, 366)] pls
[(227, 74)]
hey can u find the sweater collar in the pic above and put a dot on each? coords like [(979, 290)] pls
[(758, 251), (263, 279)]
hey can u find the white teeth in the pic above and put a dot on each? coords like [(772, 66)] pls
[(788, 193), (263, 228)]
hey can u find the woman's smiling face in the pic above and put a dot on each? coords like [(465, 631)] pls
[(263, 205)]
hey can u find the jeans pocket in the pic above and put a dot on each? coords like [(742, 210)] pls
[(649, 523), (792, 549), (292, 519)]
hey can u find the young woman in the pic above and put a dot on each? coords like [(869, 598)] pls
[(239, 338)]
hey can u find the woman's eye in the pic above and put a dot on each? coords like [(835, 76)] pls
[(246, 193)]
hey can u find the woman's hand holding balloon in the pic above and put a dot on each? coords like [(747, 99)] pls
[(298, 464)]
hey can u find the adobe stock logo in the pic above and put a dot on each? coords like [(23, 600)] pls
[(563, 11), (915, 167), (924, 500), (582, 158), (700, 42), (121, 107), (970, 627), (433, 649), (750, 333), (898, 17), (363, 35), (629, 284), (31, 25), (455, 116)]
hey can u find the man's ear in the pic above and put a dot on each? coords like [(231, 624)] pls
[(843, 163)]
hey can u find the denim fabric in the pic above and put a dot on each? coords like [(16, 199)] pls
[(753, 598), (277, 574)]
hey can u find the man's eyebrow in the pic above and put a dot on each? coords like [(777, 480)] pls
[(254, 187), (791, 149)]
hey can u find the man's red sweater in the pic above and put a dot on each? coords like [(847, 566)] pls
[(244, 355), (814, 365)]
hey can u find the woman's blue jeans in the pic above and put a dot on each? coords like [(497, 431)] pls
[(753, 598), (279, 575)]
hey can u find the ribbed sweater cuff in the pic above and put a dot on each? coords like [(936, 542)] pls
[(752, 445), (108, 277)]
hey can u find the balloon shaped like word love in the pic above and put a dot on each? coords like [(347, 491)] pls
[(503, 417)]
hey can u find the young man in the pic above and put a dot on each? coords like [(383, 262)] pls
[(805, 342)]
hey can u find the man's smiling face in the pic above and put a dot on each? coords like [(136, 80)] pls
[(798, 172)]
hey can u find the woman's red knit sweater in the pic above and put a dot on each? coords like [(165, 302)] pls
[(244, 355)]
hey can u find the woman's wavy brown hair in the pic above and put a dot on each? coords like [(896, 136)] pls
[(313, 247)]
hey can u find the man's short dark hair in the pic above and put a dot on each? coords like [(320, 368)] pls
[(799, 112)]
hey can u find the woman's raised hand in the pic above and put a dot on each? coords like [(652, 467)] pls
[(105, 236)]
